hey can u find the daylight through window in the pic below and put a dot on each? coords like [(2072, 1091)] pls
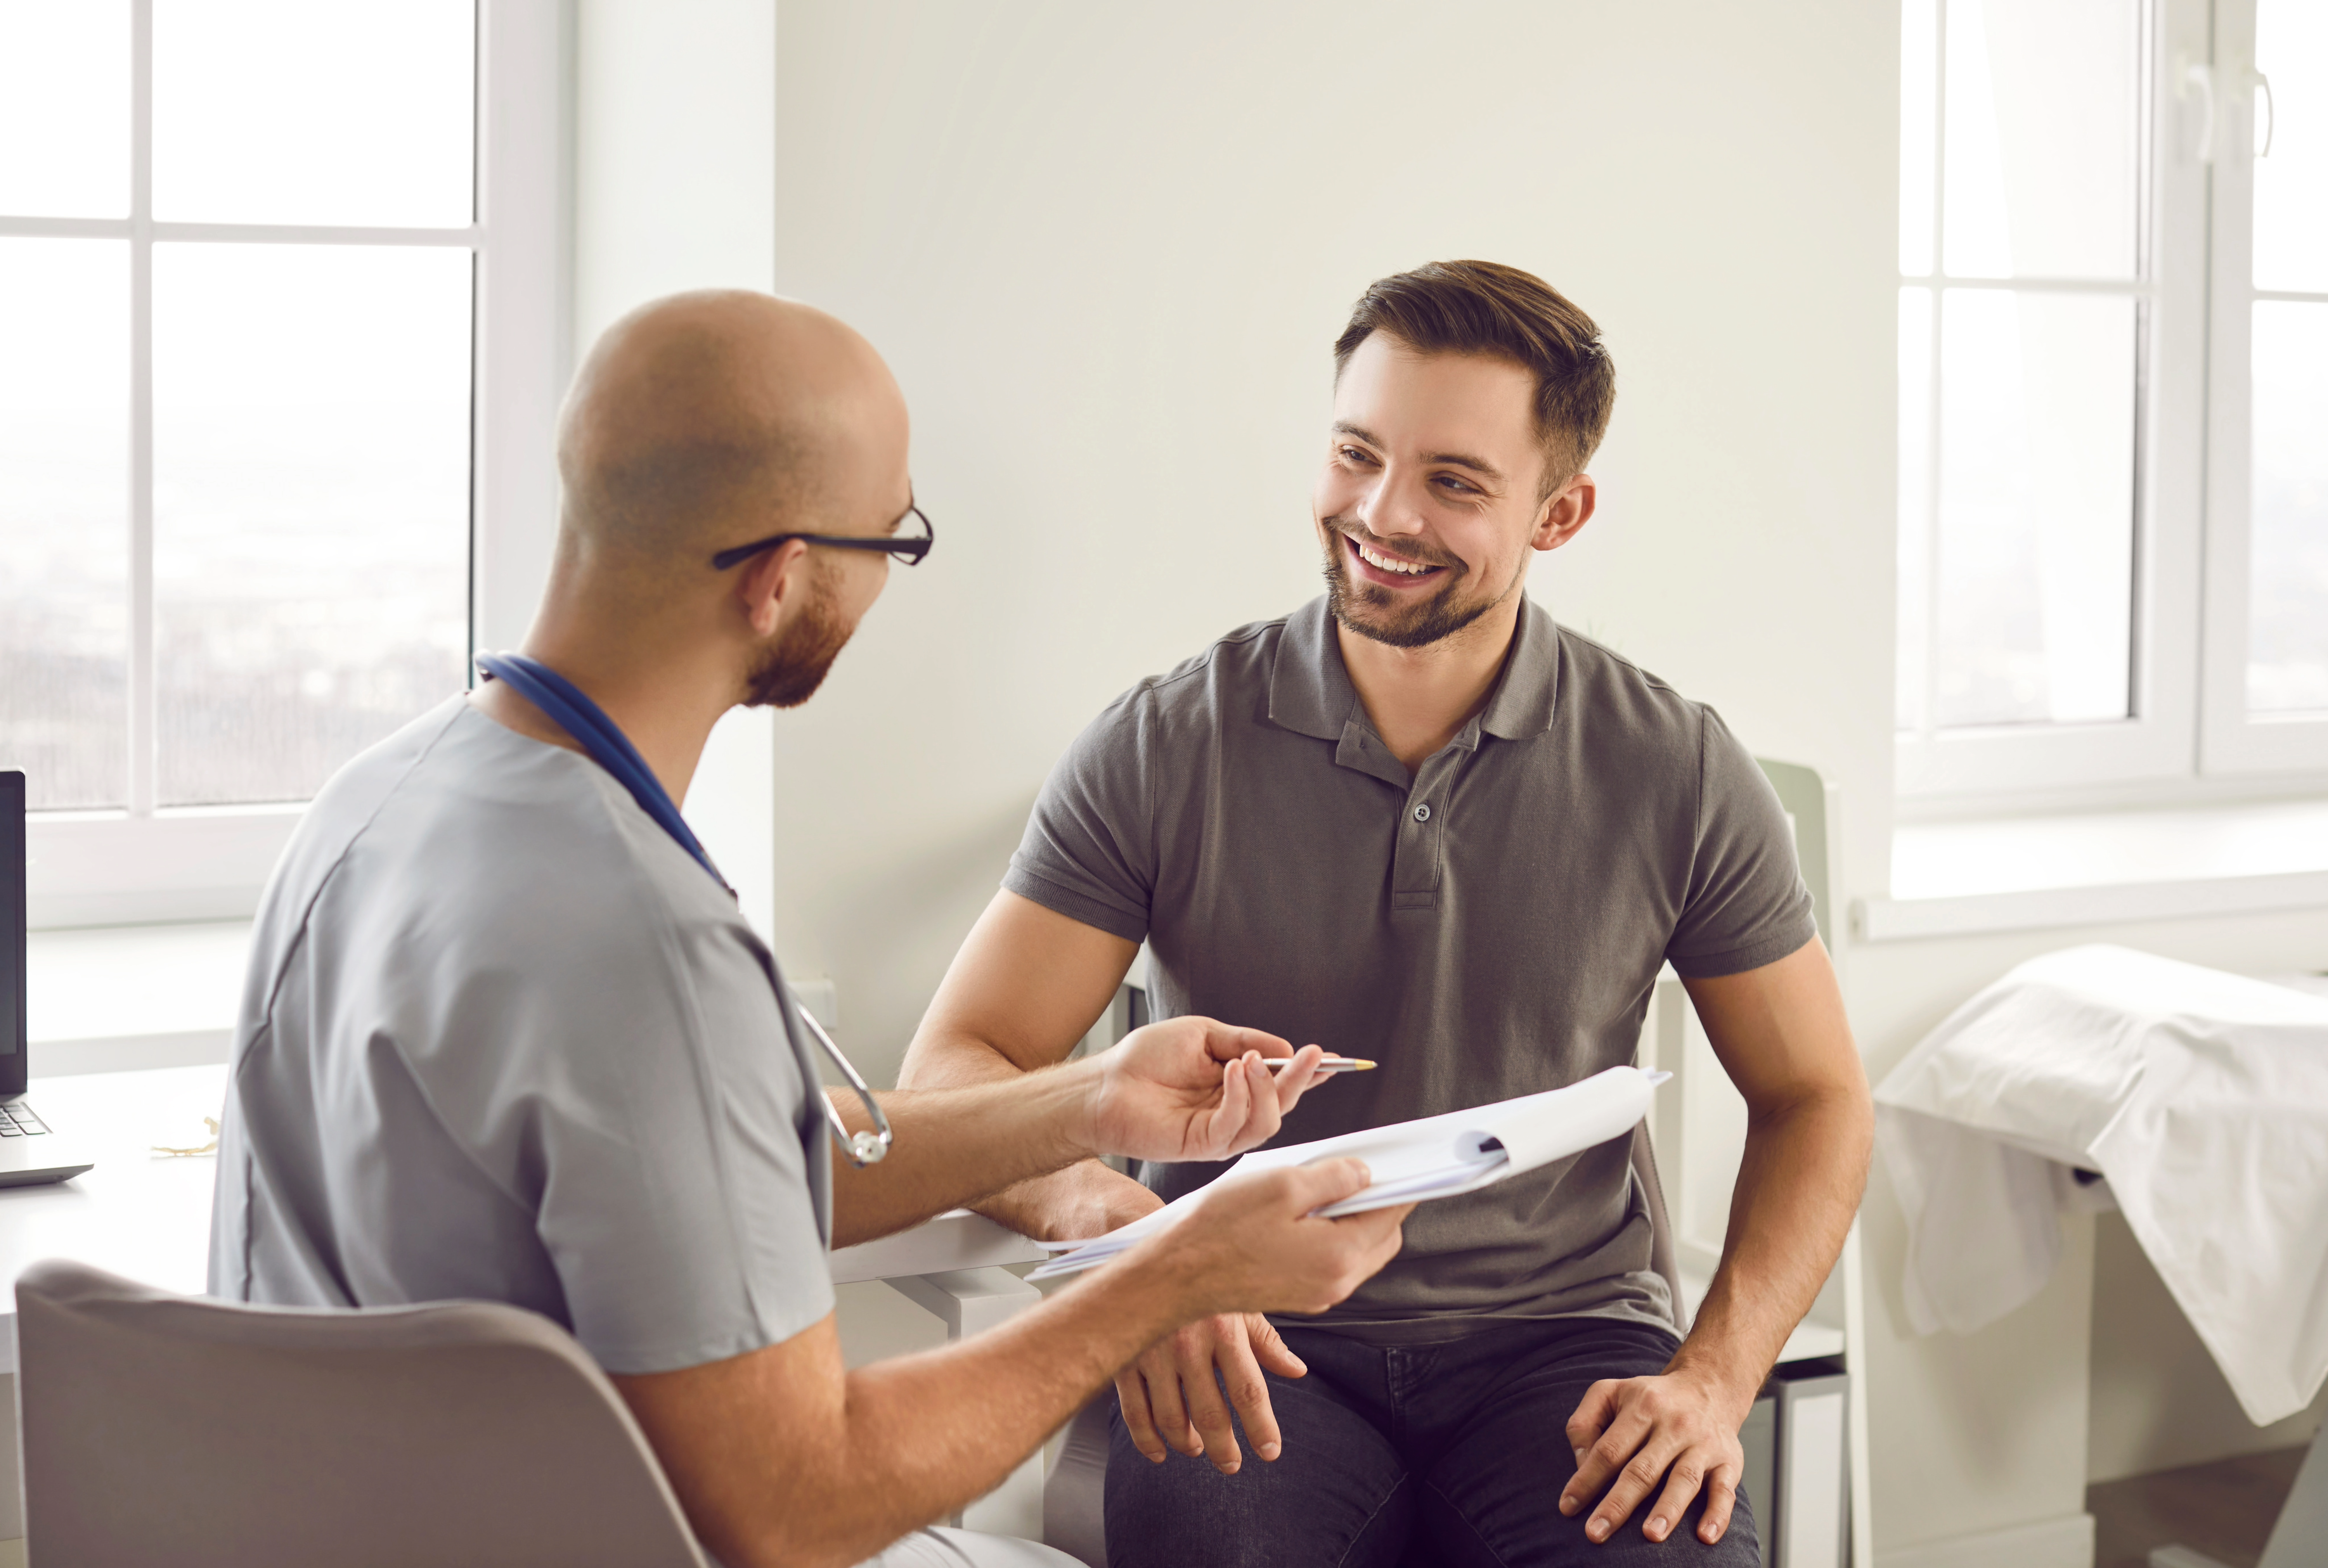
[(237, 251)]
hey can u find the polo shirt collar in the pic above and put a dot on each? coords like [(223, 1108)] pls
[(1309, 691), (1522, 703)]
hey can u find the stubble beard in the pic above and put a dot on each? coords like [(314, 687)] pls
[(789, 674), (1413, 625)]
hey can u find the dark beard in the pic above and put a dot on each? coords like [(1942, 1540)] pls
[(796, 666), (1436, 617)]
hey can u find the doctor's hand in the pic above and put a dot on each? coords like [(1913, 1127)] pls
[(1679, 1428), (1191, 1088)]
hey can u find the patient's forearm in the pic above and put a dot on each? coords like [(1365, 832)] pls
[(955, 1147), (1798, 1185), (1085, 1199)]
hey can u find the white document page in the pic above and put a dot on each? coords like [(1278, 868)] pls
[(1417, 1161)]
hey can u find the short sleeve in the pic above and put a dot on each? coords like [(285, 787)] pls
[(1745, 905), (1089, 850), (677, 1204)]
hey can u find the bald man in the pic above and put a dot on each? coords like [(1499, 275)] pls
[(505, 1037)]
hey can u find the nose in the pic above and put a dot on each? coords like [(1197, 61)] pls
[(1394, 506)]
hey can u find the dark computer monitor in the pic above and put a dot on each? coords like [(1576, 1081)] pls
[(31, 1155), (14, 1019)]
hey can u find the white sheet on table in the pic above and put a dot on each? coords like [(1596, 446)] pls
[(2201, 1096)]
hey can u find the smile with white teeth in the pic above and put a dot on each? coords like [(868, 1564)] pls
[(1390, 563)]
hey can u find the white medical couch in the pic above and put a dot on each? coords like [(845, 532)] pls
[(2193, 1101)]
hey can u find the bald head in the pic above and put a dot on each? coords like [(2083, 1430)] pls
[(707, 420)]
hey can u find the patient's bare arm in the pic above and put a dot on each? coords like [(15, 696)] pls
[(1780, 1032), (1027, 985)]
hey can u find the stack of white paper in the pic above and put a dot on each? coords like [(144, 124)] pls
[(1416, 1161)]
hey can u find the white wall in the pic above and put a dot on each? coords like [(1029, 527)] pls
[(1107, 250), (674, 188)]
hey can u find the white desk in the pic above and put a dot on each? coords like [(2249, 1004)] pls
[(144, 1215)]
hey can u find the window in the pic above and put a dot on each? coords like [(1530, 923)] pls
[(255, 259), (2267, 501), (2099, 409)]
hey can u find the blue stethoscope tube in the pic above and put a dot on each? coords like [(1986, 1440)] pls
[(572, 710)]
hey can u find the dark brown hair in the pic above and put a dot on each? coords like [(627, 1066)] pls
[(1484, 308)]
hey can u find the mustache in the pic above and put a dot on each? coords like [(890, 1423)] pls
[(1410, 550)]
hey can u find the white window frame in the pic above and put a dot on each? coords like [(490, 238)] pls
[(2231, 742), (2188, 736), (2155, 742), (148, 864)]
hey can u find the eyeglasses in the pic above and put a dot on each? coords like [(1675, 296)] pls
[(909, 550)]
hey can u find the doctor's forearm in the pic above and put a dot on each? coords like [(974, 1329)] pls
[(956, 1146), (1798, 1186), (783, 1460), (932, 1431)]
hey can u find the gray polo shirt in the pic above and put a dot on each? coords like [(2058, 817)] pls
[(1487, 927), (502, 1039)]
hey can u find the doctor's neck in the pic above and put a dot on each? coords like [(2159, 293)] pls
[(664, 699)]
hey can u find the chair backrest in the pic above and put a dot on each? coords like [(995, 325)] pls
[(1665, 1257), (170, 1428), (1810, 803)]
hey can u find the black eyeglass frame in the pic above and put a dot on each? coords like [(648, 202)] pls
[(908, 551)]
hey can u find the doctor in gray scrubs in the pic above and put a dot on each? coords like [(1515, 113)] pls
[(506, 1037)]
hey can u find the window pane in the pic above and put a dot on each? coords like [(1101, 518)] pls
[(286, 111), (311, 427), (1915, 503), (2287, 635), (1920, 124), (2043, 137), (2291, 186), (64, 518), (64, 108), (2036, 507)]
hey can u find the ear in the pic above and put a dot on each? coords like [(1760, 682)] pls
[(771, 584), (1565, 512)]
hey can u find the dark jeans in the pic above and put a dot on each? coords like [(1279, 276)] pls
[(1451, 1454)]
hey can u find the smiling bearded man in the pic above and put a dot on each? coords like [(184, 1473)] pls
[(1420, 821)]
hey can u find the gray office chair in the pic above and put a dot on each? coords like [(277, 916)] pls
[(169, 1429)]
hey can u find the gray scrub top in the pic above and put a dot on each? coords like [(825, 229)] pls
[(503, 1039), (1487, 926)]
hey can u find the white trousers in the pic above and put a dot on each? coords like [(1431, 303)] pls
[(941, 1546)]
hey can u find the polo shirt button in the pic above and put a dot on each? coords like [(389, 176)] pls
[(1422, 813)]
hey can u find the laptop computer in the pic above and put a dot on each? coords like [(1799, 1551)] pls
[(30, 1152)]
